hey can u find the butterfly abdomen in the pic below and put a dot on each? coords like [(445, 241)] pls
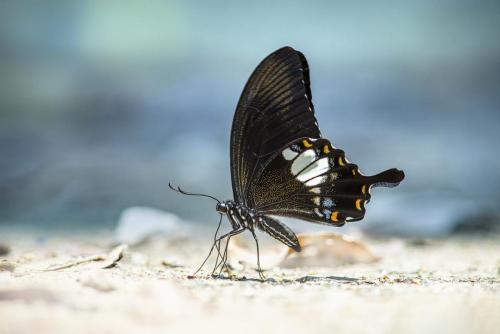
[(242, 218)]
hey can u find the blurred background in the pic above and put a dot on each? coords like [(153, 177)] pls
[(103, 103)]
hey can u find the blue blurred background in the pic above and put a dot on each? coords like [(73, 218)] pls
[(102, 103)]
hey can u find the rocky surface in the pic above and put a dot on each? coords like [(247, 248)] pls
[(417, 286)]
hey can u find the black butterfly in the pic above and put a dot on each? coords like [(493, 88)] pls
[(280, 164)]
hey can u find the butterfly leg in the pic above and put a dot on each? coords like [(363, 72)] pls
[(211, 249), (236, 227), (224, 255), (259, 268), (224, 258), (219, 255)]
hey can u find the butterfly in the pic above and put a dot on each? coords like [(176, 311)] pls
[(280, 163)]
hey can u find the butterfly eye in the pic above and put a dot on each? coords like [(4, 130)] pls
[(221, 207)]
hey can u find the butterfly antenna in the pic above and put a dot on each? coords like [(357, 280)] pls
[(211, 249), (179, 190)]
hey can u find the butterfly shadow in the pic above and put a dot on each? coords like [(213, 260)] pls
[(312, 278), (303, 279)]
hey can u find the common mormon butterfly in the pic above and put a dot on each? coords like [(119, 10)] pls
[(280, 163)]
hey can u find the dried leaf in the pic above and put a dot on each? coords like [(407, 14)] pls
[(110, 260), (76, 262), (114, 256), (327, 250), (318, 250)]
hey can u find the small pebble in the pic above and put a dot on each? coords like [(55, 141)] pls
[(4, 250), (171, 263)]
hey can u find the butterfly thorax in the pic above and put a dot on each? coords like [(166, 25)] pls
[(244, 218), (240, 216)]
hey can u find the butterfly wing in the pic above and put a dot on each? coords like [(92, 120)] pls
[(274, 109), (280, 165), (312, 180)]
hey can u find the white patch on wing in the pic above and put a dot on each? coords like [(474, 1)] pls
[(315, 169), (316, 200), (315, 190), (304, 159), (317, 180), (289, 154)]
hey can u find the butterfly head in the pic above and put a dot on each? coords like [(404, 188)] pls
[(221, 208)]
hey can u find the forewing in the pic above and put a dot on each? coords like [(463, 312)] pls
[(312, 180), (274, 109)]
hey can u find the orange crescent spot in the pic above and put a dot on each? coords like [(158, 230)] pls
[(334, 216), (363, 189), (358, 204), (326, 149), (306, 143), (341, 162)]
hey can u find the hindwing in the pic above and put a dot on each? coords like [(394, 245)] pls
[(312, 180)]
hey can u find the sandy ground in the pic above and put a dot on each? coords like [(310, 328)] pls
[(445, 286)]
